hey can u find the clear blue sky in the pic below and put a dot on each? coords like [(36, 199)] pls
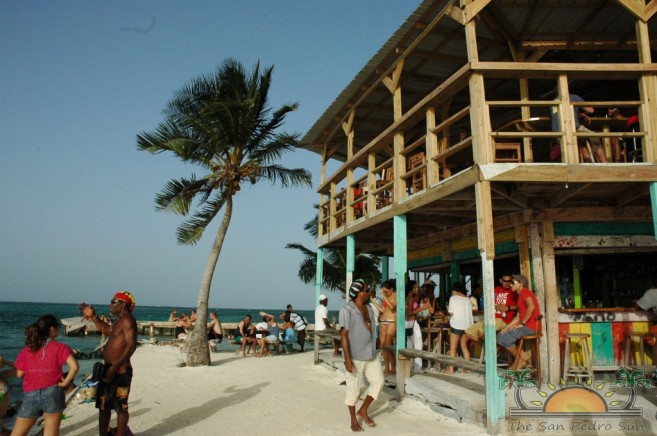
[(79, 80)]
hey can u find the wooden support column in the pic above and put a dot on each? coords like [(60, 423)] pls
[(482, 143), (523, 250), (319, 279), (569, 148), (525, 112), (371, 183), (322, 198), (486, 244), (433, 169), (550, 354), (351, 262), (333, 209), (392, 82), (648, 94), (348, 129), (536, 280), (400, 267)]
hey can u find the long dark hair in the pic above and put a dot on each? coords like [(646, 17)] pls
[(38, 333)]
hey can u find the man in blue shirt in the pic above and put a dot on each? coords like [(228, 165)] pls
[(359, 350)]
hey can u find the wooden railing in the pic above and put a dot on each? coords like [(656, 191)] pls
[(522, 121)]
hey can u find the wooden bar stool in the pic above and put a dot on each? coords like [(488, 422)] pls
[(535, 350), (534, 342), (630, 349), (586, 368)]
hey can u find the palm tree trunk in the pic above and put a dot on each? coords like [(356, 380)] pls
[(198, 351)]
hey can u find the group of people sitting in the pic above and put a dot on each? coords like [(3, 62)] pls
[(516, 315), (186, 322), (260, 337)]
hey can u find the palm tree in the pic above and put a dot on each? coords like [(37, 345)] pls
[(222, 123), (335, 264), (631, 379)]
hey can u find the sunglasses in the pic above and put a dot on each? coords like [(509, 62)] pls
[(114, 301), (507, 281)]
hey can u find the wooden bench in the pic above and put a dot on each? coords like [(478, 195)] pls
[(331, 334), (406, 355)]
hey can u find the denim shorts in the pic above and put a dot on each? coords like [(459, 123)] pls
[(46, 400)]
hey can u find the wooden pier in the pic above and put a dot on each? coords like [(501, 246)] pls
[(78, 326)]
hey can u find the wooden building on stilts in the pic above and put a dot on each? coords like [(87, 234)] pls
[(458, 151)]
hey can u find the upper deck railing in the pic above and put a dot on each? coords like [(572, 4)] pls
[(515, 131)]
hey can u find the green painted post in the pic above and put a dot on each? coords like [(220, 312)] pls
[(495, 397), (653, 201), (401, 266), (319, 279), (577, 289), (454, 274), (385, 267)]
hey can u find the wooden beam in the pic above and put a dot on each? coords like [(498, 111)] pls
[(637, 8), (392, 81), (552, 353)]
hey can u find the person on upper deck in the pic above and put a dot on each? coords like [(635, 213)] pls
[(584, 113)]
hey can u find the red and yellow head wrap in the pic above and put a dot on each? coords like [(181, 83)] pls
[(126, 297)]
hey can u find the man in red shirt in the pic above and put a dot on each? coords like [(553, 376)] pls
[(506, 304), (525, 322)]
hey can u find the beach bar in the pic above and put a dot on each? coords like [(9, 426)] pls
[(458, 149)]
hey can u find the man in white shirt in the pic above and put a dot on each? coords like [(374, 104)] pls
[(322, 322)]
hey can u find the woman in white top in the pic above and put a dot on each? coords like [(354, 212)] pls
[(460, 311)]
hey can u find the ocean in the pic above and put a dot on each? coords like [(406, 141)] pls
[(16, 316)]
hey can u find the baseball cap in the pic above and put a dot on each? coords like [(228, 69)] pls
[(323, 297), (522, 279)]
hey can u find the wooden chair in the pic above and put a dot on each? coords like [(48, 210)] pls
[(419, 178), (385, 197), (359, 206), (508, 152)]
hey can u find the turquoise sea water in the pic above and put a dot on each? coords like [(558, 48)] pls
[(15, 316)]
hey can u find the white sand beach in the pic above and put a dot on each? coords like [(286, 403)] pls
[(282, 394)]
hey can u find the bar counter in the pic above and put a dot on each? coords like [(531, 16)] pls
[(610, 328)]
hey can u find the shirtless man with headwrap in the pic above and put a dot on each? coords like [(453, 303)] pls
[(114, 387)]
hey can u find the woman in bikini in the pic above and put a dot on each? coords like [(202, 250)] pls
[(388, 325)]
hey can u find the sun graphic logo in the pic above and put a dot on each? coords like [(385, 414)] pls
[(613, 399)]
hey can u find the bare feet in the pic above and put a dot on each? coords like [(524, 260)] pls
[(448, 371), (366, 419), (356, 427)]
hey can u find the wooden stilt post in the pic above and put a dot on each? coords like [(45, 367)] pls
[(400, 266), (319, 278)]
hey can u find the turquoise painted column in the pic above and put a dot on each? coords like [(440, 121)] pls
[(653, 201), (401, 266), (385, 268), (319, 274), (495, 397), (351, 262), (454, 275)]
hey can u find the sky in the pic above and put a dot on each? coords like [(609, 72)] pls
[(80, 79)]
